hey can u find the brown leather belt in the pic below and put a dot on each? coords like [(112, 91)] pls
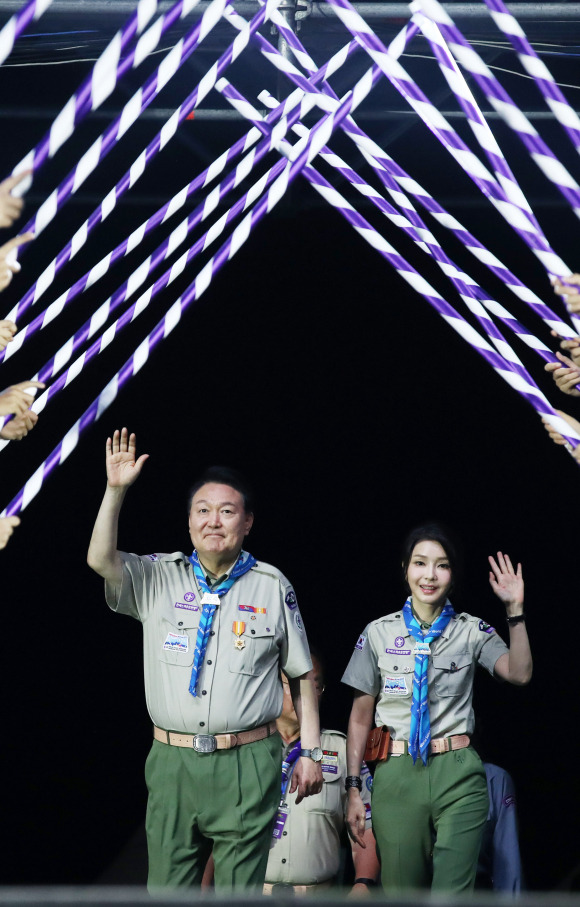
[(440, 745), (281, 887), (209, 743)]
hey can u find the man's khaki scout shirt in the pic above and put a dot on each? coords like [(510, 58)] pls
[(309, 849), (383, 664), (238, 689)]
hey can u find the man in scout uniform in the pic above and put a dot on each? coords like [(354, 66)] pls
[(305, 852), (218, 626)]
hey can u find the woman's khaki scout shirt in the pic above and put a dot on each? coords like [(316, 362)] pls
[(383, 664)]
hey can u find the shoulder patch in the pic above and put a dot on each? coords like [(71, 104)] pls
[(290, 600), (152, 557), (361, 643), (485, 628)]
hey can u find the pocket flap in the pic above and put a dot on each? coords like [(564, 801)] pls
[(452, 662)]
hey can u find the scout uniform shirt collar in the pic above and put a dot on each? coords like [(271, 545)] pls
[(445, 634), (212, 579)]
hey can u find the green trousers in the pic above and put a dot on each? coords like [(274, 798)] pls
[(225, 801), (428, 820)]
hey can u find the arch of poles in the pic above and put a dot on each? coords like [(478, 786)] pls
[(400, 198)]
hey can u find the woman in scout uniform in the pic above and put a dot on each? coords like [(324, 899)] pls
[(412, 673)]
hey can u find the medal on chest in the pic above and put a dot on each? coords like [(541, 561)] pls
[(238, 627)]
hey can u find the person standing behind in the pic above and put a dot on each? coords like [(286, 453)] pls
[(218, 626), (500, 865), (305, 851)]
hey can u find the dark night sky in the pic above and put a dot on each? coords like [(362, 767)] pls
[(355, 411)]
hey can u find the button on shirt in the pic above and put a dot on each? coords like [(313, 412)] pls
[(383, 665), (239, 688), (309, 850)]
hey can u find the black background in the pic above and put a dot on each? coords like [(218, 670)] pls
[(355, 411)]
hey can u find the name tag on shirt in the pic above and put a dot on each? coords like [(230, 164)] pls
[(329, 762), (187, 606), (176, 643)]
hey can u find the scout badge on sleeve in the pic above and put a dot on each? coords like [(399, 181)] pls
[(238, 627)]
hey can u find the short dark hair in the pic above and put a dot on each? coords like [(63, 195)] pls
[(433, 532), (224, 475), (315, 654)]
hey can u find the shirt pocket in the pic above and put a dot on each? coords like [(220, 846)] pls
[(177, 635), (396, 675), (330, 800), (257, 653), (452, 673)]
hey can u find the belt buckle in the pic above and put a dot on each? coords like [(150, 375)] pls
[(204, 743), (286, 887)]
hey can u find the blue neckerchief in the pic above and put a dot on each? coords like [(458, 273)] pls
[(288, 767), (244, 563), (420, 735)]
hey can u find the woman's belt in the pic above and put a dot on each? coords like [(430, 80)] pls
[(437, 746)]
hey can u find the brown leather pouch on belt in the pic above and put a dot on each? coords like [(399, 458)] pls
[(377, 748)]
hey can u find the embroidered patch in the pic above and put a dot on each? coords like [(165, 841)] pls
[(152, 557), (329, 762), (369, 782), (399, 642), (189, 596), (361, 643), (291, 600), (367, 811), (398, 651), (298, 621), (186, 606), (175, 643), (252, 608), (510, 800), (396, 685), (486, 628)]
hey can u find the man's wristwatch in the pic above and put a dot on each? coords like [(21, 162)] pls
[(315, 754)]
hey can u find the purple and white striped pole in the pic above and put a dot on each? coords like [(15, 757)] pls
[(157, 144), (130, 113), (468, 289), (90, 278), (303, 153), (103, 79), (274, 139), (475, 118), (514, 215), (383, 163), (517, 378), (498, 97), (422, 236), (16, 25), (537, 69)]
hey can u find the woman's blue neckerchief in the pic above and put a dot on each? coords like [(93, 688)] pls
[(420, 735)]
